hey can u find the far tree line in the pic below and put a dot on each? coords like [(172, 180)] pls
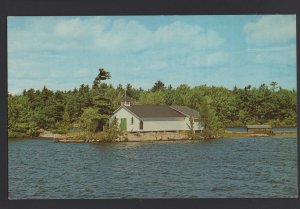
[(219, 107)]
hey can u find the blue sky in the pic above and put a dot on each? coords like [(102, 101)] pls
[(64, 52)]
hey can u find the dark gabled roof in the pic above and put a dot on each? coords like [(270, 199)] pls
[(153, 111), (258, 126), (186, 111)]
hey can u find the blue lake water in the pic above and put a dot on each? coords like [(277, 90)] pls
[(249, 167)]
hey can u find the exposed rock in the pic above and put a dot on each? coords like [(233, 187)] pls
[(156, 136), (70, 141), (259, 135), (48, 134)]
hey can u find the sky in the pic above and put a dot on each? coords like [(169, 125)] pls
[(233, 50)]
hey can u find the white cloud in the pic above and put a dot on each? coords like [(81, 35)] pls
[(133, 36), (52, 33), (124, 36), (277, 55), (271, 46), (191, 35), (118, 35), (31, 40), (69, 28), (180, 33), (78, 28), (271, 29), (54, 48)]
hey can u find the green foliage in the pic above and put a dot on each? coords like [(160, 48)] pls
[(132, 93), (91, 107), (103, 75), (66, 121), (182, 95), (213, 127), (169, 96), (110, 134), (113, 131), (63, 126), (101, 100), (89, 119), (158, 86), (152, 98), (20, 118)]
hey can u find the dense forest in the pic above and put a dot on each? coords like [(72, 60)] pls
[(219, 107)]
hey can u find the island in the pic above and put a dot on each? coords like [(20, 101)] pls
[(104, 113)]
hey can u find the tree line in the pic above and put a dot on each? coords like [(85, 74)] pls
[(90, 107)]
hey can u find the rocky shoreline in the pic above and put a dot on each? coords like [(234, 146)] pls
[(127, 137), (48, 134), (155, 136), (233, 134)]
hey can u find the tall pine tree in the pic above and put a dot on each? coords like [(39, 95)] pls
[(101, 101)]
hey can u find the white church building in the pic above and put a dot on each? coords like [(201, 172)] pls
[(148, 118)]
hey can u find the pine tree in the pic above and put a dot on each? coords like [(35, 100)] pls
[(101, 101)]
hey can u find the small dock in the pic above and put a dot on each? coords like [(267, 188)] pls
[(266, 129)]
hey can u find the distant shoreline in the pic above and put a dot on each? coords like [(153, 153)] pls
[(246, 134)]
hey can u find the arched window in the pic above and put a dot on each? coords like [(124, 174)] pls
[(141, 125), (131, 120)]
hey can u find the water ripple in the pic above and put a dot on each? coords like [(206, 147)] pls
[(251, 167)]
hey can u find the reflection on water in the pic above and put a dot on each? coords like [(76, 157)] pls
[(250, 167)]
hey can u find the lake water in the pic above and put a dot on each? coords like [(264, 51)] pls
[(249, 167)]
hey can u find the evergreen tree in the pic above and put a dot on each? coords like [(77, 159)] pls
[(102, 101), (219, 107), (158, 86), (89, 120)]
